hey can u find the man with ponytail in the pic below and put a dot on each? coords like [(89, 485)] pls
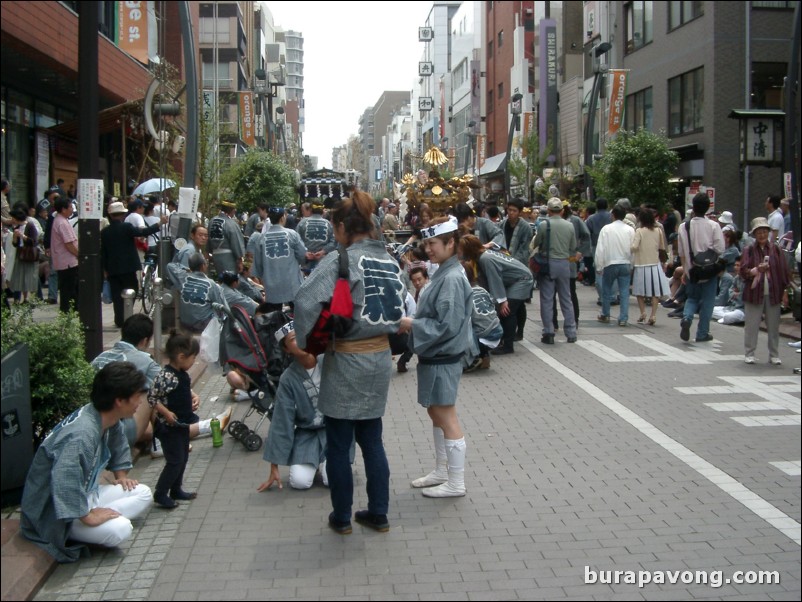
[(358, 365)]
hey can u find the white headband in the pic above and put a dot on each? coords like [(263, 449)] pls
[(284, 331), (450, 226)]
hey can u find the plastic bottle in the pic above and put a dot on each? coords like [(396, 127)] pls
[(217, 433)]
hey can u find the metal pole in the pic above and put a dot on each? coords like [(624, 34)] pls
[(89, 270), (747, 100), (591, 124), (129, 296), (158, 289), (791, 146), (191, 76)]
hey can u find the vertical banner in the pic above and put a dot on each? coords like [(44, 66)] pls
[(132, 34), (246, 124), (529, 127), (476, 91), (90, 199), (618, 99), (481, 150), (442, 110), (42, 164), (547, 114)]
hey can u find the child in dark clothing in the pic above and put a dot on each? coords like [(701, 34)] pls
[(172, 387)]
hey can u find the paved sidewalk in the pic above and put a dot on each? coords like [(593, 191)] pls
[(575, 465)]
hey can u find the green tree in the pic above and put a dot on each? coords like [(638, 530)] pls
[(636, 165), (60, 377), (532, 164), (259, 177)]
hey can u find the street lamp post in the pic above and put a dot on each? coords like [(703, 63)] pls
[(598, 70), (280, 134), (515, 125)]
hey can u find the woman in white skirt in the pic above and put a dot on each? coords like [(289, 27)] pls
[(649, 278)]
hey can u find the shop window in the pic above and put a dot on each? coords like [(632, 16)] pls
[(767, 85)]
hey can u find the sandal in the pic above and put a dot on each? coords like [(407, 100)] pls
[(642, 319), (652, 321)]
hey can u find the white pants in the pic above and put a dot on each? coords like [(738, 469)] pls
[(130, 504), (724, 315), (303, 475)]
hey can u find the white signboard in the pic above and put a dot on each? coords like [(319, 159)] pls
[(425, 103), (90, 199), (188, 201), (759, 140)]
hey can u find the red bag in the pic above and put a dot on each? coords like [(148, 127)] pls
[(336, 318), (141, 243)]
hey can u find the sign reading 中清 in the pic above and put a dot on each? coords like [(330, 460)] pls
[(90, 199), (759, 143), (425, 103), (188, 201)]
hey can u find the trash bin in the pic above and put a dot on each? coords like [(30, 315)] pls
[(16, 443)]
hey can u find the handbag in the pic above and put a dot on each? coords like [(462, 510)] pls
[(539, 262), (336, 318), (706, 265), (28, 253)]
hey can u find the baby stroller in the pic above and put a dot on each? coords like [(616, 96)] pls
[(249, 346)]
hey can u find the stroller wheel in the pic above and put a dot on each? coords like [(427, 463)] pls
[(253, 442), (241, 432), (233, 426)]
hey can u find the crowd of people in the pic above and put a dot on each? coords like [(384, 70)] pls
[(453, 295)]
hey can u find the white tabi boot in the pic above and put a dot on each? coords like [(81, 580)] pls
[(440, 473), (455, 486)]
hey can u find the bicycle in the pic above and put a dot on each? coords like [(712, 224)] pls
[(150, 271)]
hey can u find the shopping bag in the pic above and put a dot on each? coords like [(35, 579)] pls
[(210, 342)]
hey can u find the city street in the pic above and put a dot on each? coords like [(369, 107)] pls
[(673, 463)]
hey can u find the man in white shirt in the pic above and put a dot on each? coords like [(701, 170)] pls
[(776, 218), (613, 261)]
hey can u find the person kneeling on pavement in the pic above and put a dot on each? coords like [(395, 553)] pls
[(63, 499), (487, 331), (297, 436)]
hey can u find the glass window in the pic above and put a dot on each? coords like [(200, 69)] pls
[(501, 90), (680, 13), (639, 24), (490, 49), (767, 85), (501, 38), (638, 113), (780, 5), (490, 101), (686, 102), (206, 27)]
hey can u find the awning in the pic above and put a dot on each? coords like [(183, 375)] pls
[(494, 164), (109, 120)]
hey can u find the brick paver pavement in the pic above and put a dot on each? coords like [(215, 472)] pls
[(581, 458)]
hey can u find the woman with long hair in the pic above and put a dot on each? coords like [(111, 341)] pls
[(649, 279), (441, 334), (357, 365)]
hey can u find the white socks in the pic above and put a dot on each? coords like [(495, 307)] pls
[(205, 427), (455, 486), (440, 473)]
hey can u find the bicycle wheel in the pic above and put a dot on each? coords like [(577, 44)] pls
[(147, 290)]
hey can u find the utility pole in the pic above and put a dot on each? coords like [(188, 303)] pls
[(89, 276)]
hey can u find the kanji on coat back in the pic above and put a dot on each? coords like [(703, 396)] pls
[(384, 301)]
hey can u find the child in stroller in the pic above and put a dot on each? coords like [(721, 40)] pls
[(250, 350)]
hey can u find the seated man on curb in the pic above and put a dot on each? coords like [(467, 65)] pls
[(63, 498)]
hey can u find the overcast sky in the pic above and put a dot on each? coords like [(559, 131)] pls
[(352, 53)]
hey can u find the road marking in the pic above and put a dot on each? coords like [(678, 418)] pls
[(776, 391), (664, 352), (793, 468), (763, 509), (784, 420)]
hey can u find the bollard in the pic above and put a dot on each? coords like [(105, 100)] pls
[(129, 296), (158, 291)]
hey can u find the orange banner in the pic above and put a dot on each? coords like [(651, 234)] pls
[(246, 122), (618, 99), (481, 150), (132, 34), (529, 127)]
